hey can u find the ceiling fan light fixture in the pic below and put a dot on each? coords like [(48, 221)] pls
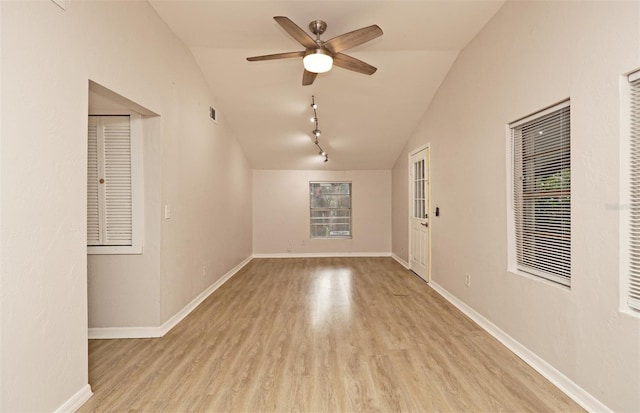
[(317, 61)]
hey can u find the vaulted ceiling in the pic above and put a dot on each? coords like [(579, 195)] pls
[(365, 120)]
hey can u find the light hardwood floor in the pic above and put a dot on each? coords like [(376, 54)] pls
[(319, 335)]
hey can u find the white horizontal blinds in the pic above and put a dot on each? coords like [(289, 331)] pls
[(542, 194), (634, 261), (117, 180), (330, 209), (93, 205), (109, 194)]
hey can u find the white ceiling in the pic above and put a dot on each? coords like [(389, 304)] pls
[(365, 120)]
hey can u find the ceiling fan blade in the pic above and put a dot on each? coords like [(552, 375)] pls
[(353, 39), (351, 63), (296, 32), (276, 56), (308, 78)]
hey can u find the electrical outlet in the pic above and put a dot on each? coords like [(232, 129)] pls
[(467, 280)]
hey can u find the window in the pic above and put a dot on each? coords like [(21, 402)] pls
[(633, 299), (113, 185), (330, 205), (541, 193)]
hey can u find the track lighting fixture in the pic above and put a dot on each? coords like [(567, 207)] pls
[(316, 132)]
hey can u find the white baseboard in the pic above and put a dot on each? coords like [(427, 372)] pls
[(322, 254), (400, 261), (562, 382), (180, 315), (76, 401), (150, 332), (103, 333)]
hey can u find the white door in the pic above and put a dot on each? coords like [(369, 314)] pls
[(419, 213)]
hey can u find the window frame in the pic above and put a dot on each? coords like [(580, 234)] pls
[(626, 182), (350, 209), (513, 265), (137, 188)]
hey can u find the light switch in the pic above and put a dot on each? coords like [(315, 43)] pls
[(167, 211)]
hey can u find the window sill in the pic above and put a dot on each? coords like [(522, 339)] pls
[(114, 250), (520, 273), (629, 312)]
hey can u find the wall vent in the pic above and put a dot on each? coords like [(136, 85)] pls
[(213, 114)]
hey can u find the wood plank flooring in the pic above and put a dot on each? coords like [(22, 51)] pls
[(319, 335)]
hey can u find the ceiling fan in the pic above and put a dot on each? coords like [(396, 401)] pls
[(319, 56)]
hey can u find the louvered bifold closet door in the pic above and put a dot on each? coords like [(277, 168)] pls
[(93, 204), (112, 180), (542, 195), (117, 176), (634, 264)]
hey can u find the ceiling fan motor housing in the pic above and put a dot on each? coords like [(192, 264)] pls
[(317, 27)]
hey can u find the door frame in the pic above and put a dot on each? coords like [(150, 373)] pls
[(410, 204)]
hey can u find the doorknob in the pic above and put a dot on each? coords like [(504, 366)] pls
[(425, 224)]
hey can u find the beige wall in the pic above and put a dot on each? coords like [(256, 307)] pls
[(281, 212), (208, 185), (400, 207), (48, 57), (531, 55)]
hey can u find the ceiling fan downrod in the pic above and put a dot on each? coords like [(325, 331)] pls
[(317, 27)]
